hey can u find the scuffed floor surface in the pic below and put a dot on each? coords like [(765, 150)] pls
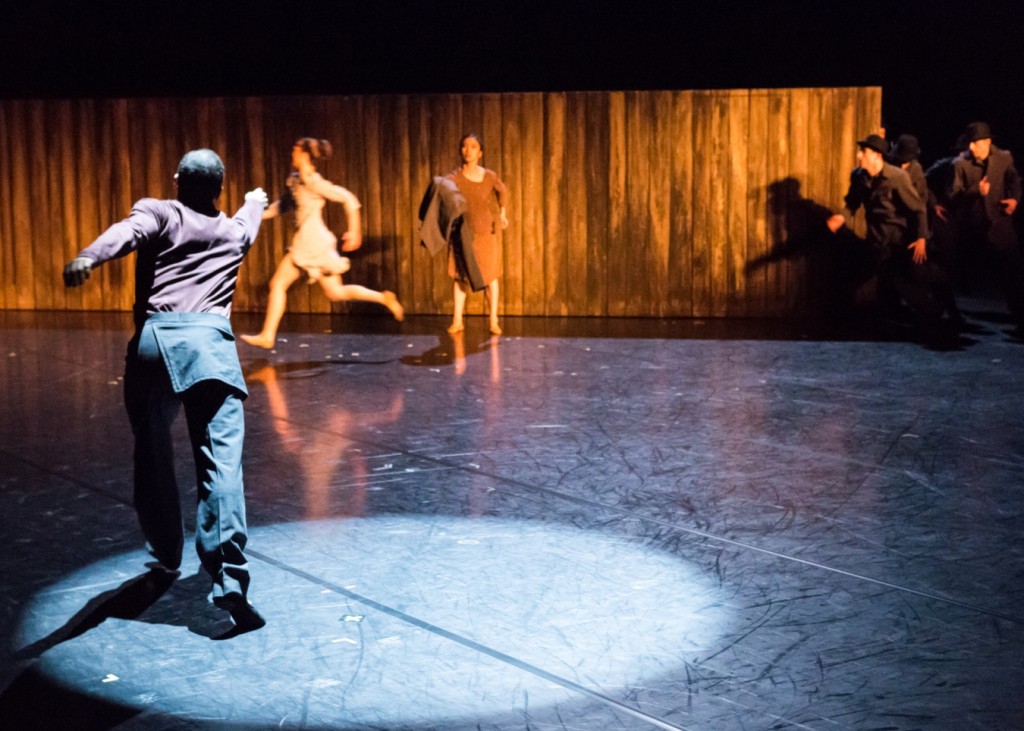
[(576, 525)]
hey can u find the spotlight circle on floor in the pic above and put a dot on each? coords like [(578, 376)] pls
[(462, 613)]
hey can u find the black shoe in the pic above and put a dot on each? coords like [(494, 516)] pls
[(243, 614), (961, 325), (939, 335), (156, 567), (168, 562)]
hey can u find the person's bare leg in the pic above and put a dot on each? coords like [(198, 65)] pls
[(459, 295), (285, 276), (492, 302), (338, 292)]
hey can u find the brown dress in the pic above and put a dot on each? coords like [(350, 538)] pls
[(481, 217)]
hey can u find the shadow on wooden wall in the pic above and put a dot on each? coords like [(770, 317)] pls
[(652, 204)]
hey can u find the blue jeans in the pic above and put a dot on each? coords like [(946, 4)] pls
[(216, 427)]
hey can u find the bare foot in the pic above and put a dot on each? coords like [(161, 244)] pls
[(392, 303), (456, 327), (260, 341), (495, 330)]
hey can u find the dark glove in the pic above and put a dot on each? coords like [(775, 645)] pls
[(77, 271)]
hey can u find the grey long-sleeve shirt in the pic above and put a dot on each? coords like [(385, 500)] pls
[(187, 261)]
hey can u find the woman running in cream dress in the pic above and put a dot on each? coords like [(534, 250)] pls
[(314, 248)]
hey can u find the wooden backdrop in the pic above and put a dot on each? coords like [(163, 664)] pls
[(653, 203)]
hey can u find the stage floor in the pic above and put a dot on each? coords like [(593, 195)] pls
[(581, 524)]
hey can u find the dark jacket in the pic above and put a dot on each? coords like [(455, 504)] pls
[(441, 219), (917, 179), (894, 211), (940, 180), (440, 210), (984, 216)]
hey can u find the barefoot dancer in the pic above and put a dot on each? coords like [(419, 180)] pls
[(314, 248), (481, 188)]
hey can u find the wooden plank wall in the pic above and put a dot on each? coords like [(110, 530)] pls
[(653, 203)]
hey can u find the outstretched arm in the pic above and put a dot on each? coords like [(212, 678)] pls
[(251, 214), (119, 240), (852, 202), (77, 271)]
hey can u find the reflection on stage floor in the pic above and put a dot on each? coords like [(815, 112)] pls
[(580, 524)]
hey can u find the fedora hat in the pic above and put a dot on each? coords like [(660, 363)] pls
[(874, 142), (978, 131), (904, 149)]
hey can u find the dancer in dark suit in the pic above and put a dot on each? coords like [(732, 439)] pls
[(984, 194)]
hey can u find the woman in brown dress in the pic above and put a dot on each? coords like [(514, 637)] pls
[(483, 191)]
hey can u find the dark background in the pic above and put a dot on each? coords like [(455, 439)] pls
[(941, 64)]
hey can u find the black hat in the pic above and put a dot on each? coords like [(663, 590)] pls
[(874, 142), (978, 131), (904, 149)]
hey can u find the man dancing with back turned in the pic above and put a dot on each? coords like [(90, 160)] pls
[(183, 353)]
